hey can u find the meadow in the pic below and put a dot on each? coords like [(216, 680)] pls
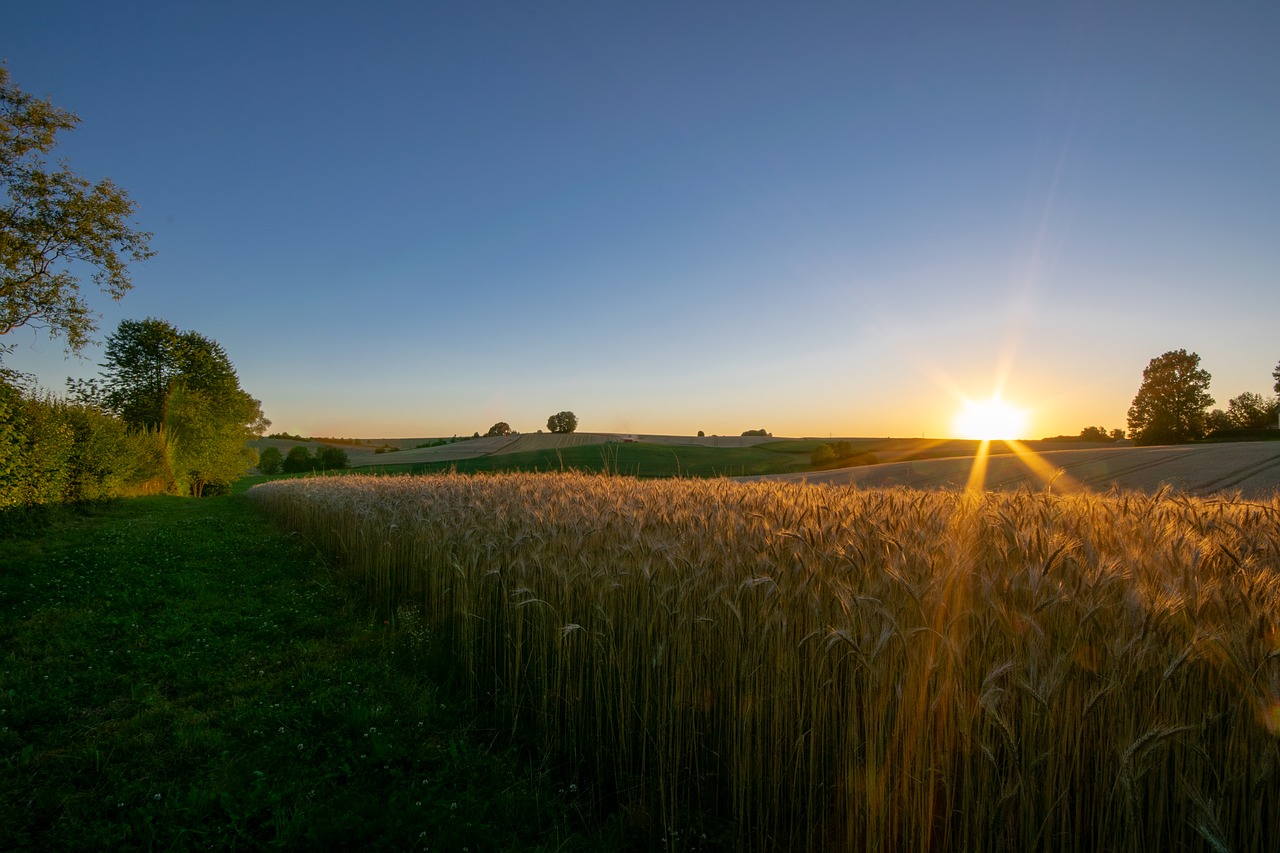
[(179, 674), (774, 666)]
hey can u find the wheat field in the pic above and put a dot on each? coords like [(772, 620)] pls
[(824, 667)]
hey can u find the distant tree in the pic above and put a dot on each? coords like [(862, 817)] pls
[(757, 432), (1094, 434), (269, 460), (1216, 421), (500, 428), (1275, 374), (1169, 407), (329, 458), (1117, 435), (822, 454), (54, 224), (562, 422), (297, 461), (1250, 411), (701, 434)]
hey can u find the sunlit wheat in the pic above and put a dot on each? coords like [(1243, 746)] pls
[(829, 668)]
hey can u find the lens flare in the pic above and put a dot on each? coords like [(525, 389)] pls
[(988, 420)]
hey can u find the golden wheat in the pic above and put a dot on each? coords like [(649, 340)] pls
[(830, 668)]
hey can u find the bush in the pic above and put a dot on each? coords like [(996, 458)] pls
[(297, 461), (332, 459), (270, 460)]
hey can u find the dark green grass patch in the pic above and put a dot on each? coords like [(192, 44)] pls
[(177, 674), (635, 460)]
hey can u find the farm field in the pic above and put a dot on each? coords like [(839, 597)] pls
[(804, 666), (1252, 468)]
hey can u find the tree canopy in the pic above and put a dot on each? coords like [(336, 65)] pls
[(182, 386), (53, 223), (1169, 407), (562, 422), (500, 428)]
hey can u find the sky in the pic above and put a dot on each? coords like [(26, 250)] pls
[(417, 219)]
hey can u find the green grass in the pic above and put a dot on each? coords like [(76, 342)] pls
[(636, 460), (179, 674)]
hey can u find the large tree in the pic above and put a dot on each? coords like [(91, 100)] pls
[(53, 225), (562, 422), (183, 386), (1169, 407)]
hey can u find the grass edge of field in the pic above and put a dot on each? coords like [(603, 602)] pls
[(181, 671)]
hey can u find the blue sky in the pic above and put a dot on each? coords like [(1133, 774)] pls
[(414, 219)]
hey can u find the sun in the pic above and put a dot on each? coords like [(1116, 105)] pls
[(991, 419)]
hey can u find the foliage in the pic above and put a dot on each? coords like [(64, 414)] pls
[(502, 428), (1251, 411), (1275, 374), (833, 668), (53, 224), (757, 432), (179, 675), (183, 385), (56, 451), (841, 451), (562, 422), (270, 459), (297, 461), (1169, 407), (331, 459)]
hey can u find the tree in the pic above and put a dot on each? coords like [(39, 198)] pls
[(1169, 407), (330, 458), (500, 428), (53, 224), (1250, 411), (1275, 374), (182, 385), (269, 460), (562, 422), (297, 461), (1216, 421)]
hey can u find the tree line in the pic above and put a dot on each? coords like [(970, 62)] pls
[(1172, 404)]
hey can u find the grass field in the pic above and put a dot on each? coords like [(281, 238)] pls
[(765, 666), (179, 674)]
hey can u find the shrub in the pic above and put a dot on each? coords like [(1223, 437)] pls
[(270, 460)]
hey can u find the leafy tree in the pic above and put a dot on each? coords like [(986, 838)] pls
[(500, 428), (1216, 421), (331, 458), (1169, 407), (822, 454), (54, 224), (182, 385), (1275, 374), (297, 461), (1117, 435), (1250, 411), (701, 434), (757, 432), (562, 422), (269, 460), (1093, 433)]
